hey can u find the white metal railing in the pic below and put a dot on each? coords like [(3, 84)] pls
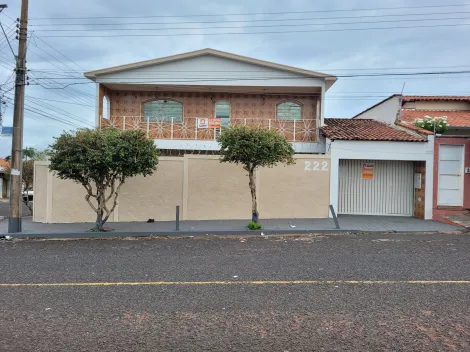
[(292, 130)]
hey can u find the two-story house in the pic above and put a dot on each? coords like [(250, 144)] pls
[(183, 101)]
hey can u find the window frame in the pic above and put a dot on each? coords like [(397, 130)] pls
[(290, 101), (226, 102), (106, 114), (162, 99)]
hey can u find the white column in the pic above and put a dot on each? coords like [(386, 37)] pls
[(429, 184), (1, 187), (334, 176)]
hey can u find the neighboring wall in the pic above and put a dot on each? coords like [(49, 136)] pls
[(442, 210), (203, 187), (385, 111), (437, 105)]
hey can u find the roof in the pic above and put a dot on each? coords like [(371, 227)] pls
[(92, 74), (4, 165), (366, 130), (459, 118), (407, 98)]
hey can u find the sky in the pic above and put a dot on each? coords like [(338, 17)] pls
[(334, 40)]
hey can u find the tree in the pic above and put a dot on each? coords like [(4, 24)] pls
[(101, 161), (253, 148)]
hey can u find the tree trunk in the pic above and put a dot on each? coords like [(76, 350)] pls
[(100, 210), (254, 204), (99, 221)]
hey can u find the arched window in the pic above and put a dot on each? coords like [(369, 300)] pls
[(222, 111), (289, 111), (106, 107), (163, 110)]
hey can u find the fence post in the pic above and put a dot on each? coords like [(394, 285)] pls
[(148, 127), (334, 216), (123, 123), (244, 122), (195, 131), (269, 124), (294, 130), (177, 218), (171, 137)]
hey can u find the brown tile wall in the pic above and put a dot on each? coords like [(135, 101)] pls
[(195, 104), (419, 199)]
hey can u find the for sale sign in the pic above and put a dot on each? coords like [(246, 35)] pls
[(368, 171)]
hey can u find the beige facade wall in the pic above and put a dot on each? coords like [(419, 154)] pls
[(40, 194), (204, 188), (155, 196), (296, 191), (215, 190)]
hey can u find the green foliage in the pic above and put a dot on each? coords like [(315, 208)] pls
[(101, 161), (254, 226), (433, 124), (254, 147), (100, 155)]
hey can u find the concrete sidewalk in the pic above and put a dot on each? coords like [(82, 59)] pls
[(347, 223)]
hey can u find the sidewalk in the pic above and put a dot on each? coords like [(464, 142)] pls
[(353, 223)]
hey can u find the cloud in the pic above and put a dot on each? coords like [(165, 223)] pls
[(332, 52)]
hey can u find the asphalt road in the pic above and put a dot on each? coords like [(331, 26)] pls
[(327, 293)]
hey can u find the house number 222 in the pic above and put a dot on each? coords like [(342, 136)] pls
[(316, 166)]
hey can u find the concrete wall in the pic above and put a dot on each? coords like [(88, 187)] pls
[(374, 150), (385, 111), (437, 105), (204, 188)]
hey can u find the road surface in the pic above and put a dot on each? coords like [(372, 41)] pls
[(325, 293)]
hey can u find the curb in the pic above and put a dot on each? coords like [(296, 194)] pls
[(114, 235), (111, 234)]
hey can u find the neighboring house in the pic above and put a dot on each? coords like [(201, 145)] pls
[(173, 98), (379, 169), (4, 181), (451, 150)]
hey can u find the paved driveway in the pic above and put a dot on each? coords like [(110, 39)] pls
[(327, 293)]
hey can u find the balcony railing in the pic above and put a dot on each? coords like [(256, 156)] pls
[(293, 131)]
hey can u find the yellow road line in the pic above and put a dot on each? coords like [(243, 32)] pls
[(219, 283)]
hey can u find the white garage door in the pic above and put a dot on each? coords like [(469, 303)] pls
[(376, 187), (450, 175)]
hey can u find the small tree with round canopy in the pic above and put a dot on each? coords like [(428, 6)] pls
[(101, 161), (254, 148)]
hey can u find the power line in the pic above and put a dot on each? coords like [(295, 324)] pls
[(258, 71), (60, 101), (147, 78), (255, 13), (250, 20), (249, 33), (59, 52), (251, 26)]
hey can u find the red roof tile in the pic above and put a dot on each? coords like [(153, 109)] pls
[(366, 130), (407, 98), (454, 118)]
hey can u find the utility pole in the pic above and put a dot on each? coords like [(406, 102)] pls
[(14, 221)]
